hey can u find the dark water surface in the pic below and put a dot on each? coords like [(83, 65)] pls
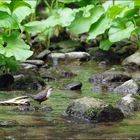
[(53, 125)]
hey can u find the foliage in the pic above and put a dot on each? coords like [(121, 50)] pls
[(113, 20), (12, 46)]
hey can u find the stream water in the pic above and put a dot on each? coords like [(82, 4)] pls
[(53, 125)]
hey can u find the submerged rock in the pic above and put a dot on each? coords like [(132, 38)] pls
[(128, 105), (93, 110), (128, 87), (74, 86), (108, 80), (34, 108)]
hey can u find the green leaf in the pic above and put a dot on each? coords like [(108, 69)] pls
[(16, 4), (35, 26), (15, 47), (115, 10), (66, 16), (20, 13), (105, 45), (6, 21), (5, 7), (82, 24), (99, 27), (11, 63), (118, 33), (62, 17)]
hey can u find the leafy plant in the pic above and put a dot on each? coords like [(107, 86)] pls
[(12, 46)]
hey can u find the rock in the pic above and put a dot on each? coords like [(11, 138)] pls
[(6, 81), (34, 62), (19, 76), (43, 54), (93, 110), (45, 66), (128, 87), (108, 80), (28, 66), (74, 86), (78, 55), (132, 59), (128, 104), (30, 80), (57, 56)]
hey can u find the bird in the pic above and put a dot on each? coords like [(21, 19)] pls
[(43, 95)]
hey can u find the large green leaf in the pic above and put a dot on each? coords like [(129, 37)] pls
[(119, 33), (20, 13), (35, 26), (115, 11), (5, 7), (6, 21), (82, 24), (62, 17), (105, 45), (100, 27), (15, 47), (16, 4)]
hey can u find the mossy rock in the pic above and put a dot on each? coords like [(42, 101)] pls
[(93, 110)]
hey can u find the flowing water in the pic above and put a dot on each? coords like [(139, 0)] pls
[(53, 125)]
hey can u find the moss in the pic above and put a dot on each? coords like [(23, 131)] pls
[(91, 114)]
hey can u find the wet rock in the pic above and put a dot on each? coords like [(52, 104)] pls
[(128, 87), (74, 86), (19, 76), (78, 55), (132, 59), (34, 108), (108, 80), (29, 82), (6, 81), (43, 54), (9, 123), (93, 110), (57, 56), (28, 66), (69, 56), (34, 62), (128, 105)]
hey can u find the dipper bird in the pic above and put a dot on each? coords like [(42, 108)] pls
[(43, 95)]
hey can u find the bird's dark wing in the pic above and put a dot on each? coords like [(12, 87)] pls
[(40, 95)]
